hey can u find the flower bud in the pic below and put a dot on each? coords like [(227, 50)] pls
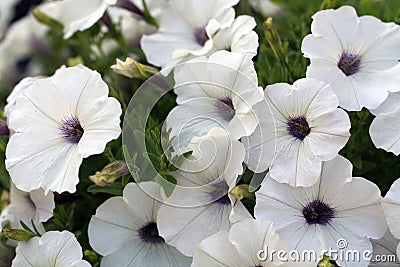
[(242, 191), (110, 173), (17, 234), (46, 20), (133, 69)]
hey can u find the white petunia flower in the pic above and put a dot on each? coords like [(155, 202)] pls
[(215, 92), (299, 127), (385, 129), (384, 251), (125, 232), (241, 247), (200, 204), (33, 206), (53, 249), (391, 206), (12, 98), (186, 29), (354, 54), (266, 7), (320, 217), (58, 121), (77, 15), (239, 37)]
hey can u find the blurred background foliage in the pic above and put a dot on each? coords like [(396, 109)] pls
[(275, 62)]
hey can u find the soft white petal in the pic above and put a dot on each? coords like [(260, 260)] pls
[(185, 228), (385, 132)]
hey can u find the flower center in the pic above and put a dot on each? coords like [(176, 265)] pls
[(227, 101), (298, 127), (318, 212), (225, 108), (71, 130), (224, 200), (200, 36), (349, 64), (149, 233)]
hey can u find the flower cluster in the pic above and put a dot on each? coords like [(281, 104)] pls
[(236, 148)]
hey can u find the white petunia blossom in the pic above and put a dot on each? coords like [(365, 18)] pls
[(266, 7), (200, 204), (186, 28), (384, 251), (239, 37), (124, 230), (241, 247), (355, 55), (339, 207), (300, 126), (58, 121), (215, 92), (391, 206), (78, 15), (52, 249), (33, 206)]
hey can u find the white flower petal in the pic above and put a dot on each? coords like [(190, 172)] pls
[(391, 204), (53, 249), (217, 251), (385, 132)]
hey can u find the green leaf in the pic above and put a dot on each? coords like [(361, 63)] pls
[(115, 189), (167, 182)]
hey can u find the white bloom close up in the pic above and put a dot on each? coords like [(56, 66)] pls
[(216, 92), (33, 206), (200, 204), (318, 217), (58, 121), (52, 249), (300, 126), (124, 230), (186, 28), (355, 55)]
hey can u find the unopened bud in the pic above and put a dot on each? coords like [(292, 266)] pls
[(74, 61), (133, 69), (272, 36), (17, 234), (328, 4), (242, 191), (110, 173), (46, 20), (325, 262), (91, 255)]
